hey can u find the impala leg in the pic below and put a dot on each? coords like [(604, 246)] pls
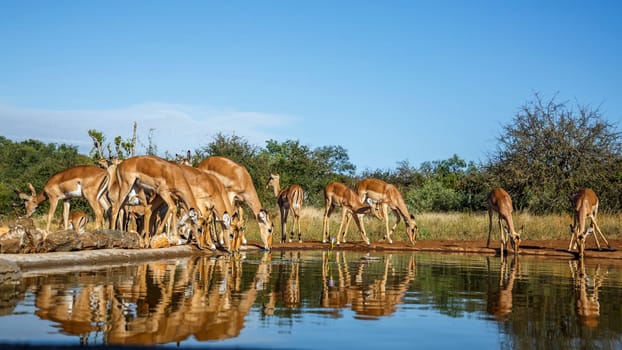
[(397, 221), (341, 235), (599, 232), (591, 228), (51, 211), (284, 213), (385, 207), (326, 225), (169, 217), (357, 219), (573, 235), (347, 227), (489, 226), (97, 209), (242, 230), (66, 207), (299, 228), (503, 240), (210, 236)]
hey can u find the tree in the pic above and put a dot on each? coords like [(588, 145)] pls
[(443, 186), (35, 162), (549, 151), (123, 148)]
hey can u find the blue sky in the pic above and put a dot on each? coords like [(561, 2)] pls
[(387, 80)]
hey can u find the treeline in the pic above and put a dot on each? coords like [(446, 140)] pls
[(544, 154)]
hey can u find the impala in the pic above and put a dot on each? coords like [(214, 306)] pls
[(88, 181), (585, 206), (500, 202), (77, 221), (140, 202), (166, 179), (240, 188), (289, 200), (389, 197), (213, 199), (336, 194)]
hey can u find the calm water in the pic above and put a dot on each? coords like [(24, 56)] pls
[(321, 300)]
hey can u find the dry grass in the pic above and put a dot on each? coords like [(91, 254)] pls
[(449, 226)]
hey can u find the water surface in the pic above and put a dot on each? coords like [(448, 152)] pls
[(322, 300)]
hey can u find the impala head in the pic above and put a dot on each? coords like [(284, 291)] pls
[(31, 202), (375, 208), (412, 229), (273, 180), (106, 163), (266, 228), (514, 238), (581, 237), (181, 160)]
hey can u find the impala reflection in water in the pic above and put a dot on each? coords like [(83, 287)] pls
[(500, 299), (157, 303), (206, 298), (345, 284), (321, 300), (586, 295)]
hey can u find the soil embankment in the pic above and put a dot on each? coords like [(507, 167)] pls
[(87, 259)]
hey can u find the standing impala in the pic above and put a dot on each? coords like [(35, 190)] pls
[(88, 181), (585, 206), (290, 201), (239, 185), (389, 197), (499, 201), (212, 199), (166, 179), (337, 194)]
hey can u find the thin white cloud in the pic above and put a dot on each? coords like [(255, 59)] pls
[(176, 128)]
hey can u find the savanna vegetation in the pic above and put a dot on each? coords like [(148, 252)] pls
[(545, 154)]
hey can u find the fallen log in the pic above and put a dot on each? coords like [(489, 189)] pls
[(23, 237)]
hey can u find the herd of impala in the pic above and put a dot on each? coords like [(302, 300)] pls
[(206, 203)]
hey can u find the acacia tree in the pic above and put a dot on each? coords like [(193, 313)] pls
[(548, 151)]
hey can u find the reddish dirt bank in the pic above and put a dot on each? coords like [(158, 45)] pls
[(553, 248)]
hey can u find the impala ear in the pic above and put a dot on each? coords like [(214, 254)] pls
[(263, 215), (32, 189)]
